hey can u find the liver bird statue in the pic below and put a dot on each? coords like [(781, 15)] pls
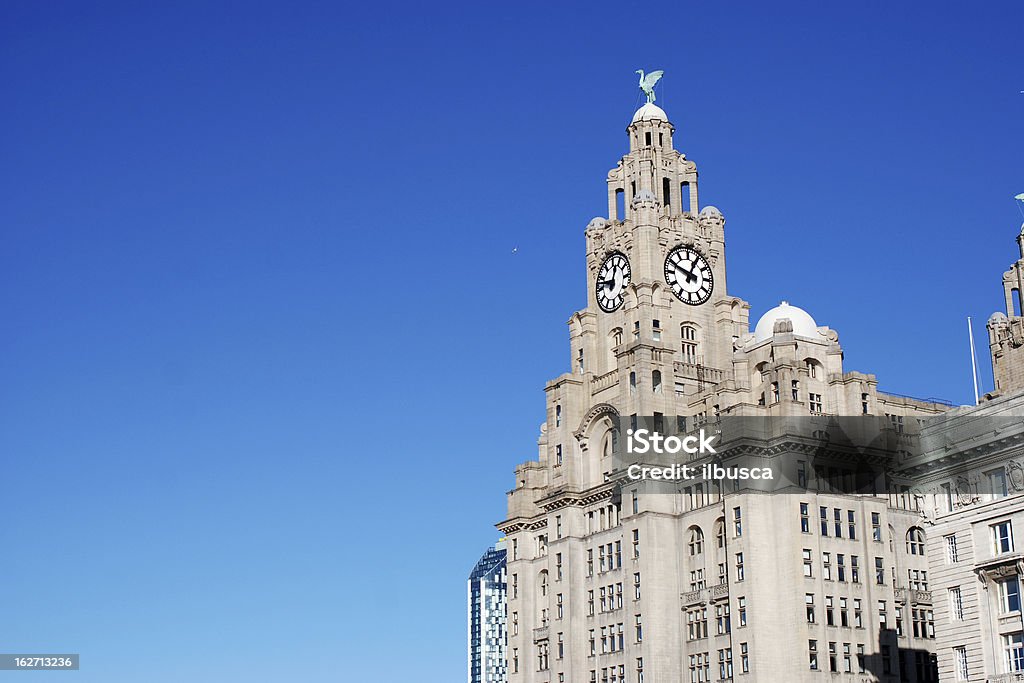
[(647, 83)]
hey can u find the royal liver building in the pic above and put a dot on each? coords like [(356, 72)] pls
[(610, 581)]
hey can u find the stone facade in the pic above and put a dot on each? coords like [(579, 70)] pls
[(972, 474), (607, 584)]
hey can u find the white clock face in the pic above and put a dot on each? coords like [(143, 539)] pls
[(688, 274), (612, 280)]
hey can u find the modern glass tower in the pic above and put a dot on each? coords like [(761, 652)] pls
[(487, 636)]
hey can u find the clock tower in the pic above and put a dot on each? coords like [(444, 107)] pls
[(610, 582)]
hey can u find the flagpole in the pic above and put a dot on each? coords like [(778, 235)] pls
[(974, 362)]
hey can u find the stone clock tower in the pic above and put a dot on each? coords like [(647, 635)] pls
[(607, 584)]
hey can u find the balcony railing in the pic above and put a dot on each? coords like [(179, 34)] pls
[(1006, 678), (694, 597), (720, 591), (914, 597), (602, 382), (698, 372), (540, 634)]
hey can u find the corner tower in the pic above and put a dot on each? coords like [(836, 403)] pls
[(1006, 330)]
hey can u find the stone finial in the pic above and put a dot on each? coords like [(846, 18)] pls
[(783, 326)]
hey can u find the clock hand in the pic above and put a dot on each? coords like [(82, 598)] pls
[(690, 277)]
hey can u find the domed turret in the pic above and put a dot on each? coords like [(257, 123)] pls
[(650, 112)]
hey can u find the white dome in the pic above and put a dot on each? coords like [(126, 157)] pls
[(998, 316), (710, 211), (650, 112), (803, 323)]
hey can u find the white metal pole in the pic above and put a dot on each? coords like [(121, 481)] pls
[(974, 362)]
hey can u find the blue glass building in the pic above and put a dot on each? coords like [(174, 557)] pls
[(487, 618)]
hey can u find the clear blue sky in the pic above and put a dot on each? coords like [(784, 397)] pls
[(268, 360)]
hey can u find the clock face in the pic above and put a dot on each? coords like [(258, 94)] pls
[(612, 280), (688, 274)]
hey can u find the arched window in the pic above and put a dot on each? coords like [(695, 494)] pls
[(720, 532), (813, 368), (632, 383), (543, 582), (915, 541), (656, 381), (688, 335), (696, 541)]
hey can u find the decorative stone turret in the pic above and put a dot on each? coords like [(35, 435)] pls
[(1006, 331)]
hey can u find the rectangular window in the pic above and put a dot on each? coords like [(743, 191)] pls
[(639, 629), (636, 543), (947, 495), (956, 604), (809, 601), (558, 566), (558, 524), (838, 517), (1013, 647), (808, 562), (952, 557), (854, 569), (636, 502), (883, 620), (851, 522), (823, 516), (876, 527), (636, 586), (725, 664), (739, 567), (841, 567), (1002, 538), (805, 518), (812, 654), (858, 616), (737, 522), (1009, 595), (830, 617), (826, 566), (997, 482), (744, 658), (833, 663), (879, 572), (722, 621), (960, 657), (815, 402), (801, 473)]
